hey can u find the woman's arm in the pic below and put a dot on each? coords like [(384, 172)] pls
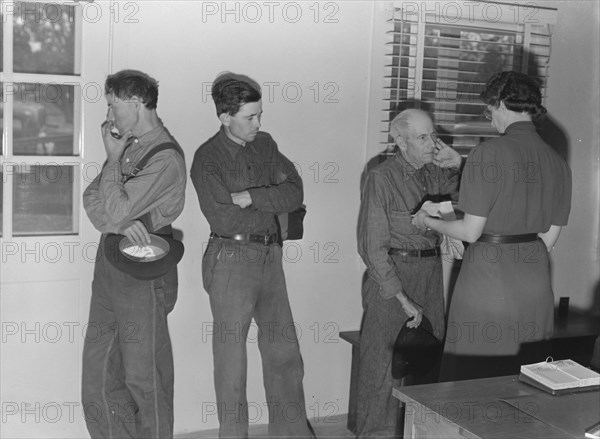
[(468, 229)]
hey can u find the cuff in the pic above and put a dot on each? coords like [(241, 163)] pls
[(390, 288)]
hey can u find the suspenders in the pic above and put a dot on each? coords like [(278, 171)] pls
[(134, 172)]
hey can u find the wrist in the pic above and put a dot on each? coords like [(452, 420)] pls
[(427, 226)]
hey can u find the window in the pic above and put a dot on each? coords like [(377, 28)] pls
[(440, 55), (40, 116)]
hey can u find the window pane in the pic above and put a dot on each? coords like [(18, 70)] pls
[(44, 38), (1, 39), (43, 119), (458, 62), (43, 200)]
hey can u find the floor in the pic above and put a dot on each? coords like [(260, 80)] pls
[(333, 427)]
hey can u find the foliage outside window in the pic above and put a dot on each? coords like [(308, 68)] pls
[(39, 114)]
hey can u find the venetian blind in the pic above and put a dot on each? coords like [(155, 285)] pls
[(440, 55)]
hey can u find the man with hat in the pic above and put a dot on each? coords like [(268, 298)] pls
[(243, 183), (127, 382)]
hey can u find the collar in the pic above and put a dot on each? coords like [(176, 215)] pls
[(234, 147), (408, 170), (149, 137), (524, 125)]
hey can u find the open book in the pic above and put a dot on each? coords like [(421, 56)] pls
[(560, 376)]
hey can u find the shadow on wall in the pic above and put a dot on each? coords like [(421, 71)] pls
[(553, 133), (595, 308)]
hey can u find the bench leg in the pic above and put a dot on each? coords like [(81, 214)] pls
[(351, 425)]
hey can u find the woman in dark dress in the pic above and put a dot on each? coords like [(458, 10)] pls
[(516, 195)]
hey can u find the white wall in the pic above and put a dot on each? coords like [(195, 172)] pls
[(323, 131), (574, 102)]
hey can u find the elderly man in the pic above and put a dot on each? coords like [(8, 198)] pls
[(403, 262), (127, 383), (243, 182)]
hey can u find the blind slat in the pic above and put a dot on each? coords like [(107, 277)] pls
[(455, 62)]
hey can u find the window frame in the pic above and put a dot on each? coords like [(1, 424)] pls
[(9, 161)]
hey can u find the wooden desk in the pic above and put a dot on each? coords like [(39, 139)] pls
[(500, 407), (573, 338)]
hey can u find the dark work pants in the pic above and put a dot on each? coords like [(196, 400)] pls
[(127, 376), (245, 282), (377, 409)]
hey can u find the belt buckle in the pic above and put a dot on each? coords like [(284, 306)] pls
[(267, 238)]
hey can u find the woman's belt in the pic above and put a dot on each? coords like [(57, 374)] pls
[(245, 238), (507, 239), (427, 253)]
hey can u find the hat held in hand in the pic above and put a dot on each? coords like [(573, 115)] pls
[(416, 350), (148, 262)]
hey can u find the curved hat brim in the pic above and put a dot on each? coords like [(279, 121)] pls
[(141, 269)]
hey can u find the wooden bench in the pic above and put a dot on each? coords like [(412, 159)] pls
[(352, 337), (573, 338)]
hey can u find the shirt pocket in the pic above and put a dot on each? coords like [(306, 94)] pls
[(401, 223)]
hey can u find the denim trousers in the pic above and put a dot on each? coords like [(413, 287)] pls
[(377, 408), (127, 374), (245, 282)]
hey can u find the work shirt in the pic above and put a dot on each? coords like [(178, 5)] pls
[(390, 195), (112, 203), (222, 167)]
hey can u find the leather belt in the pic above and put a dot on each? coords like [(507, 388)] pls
[(427, 253), (508, 239), (246, 238)]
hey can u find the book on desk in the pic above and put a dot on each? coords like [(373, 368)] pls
[(561, 376), (593, 432)]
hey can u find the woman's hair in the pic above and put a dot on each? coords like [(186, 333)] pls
[(519, 92), (231, 90)]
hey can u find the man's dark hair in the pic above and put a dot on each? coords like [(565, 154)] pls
[(230, 91), (519, 92), (126, 84)]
